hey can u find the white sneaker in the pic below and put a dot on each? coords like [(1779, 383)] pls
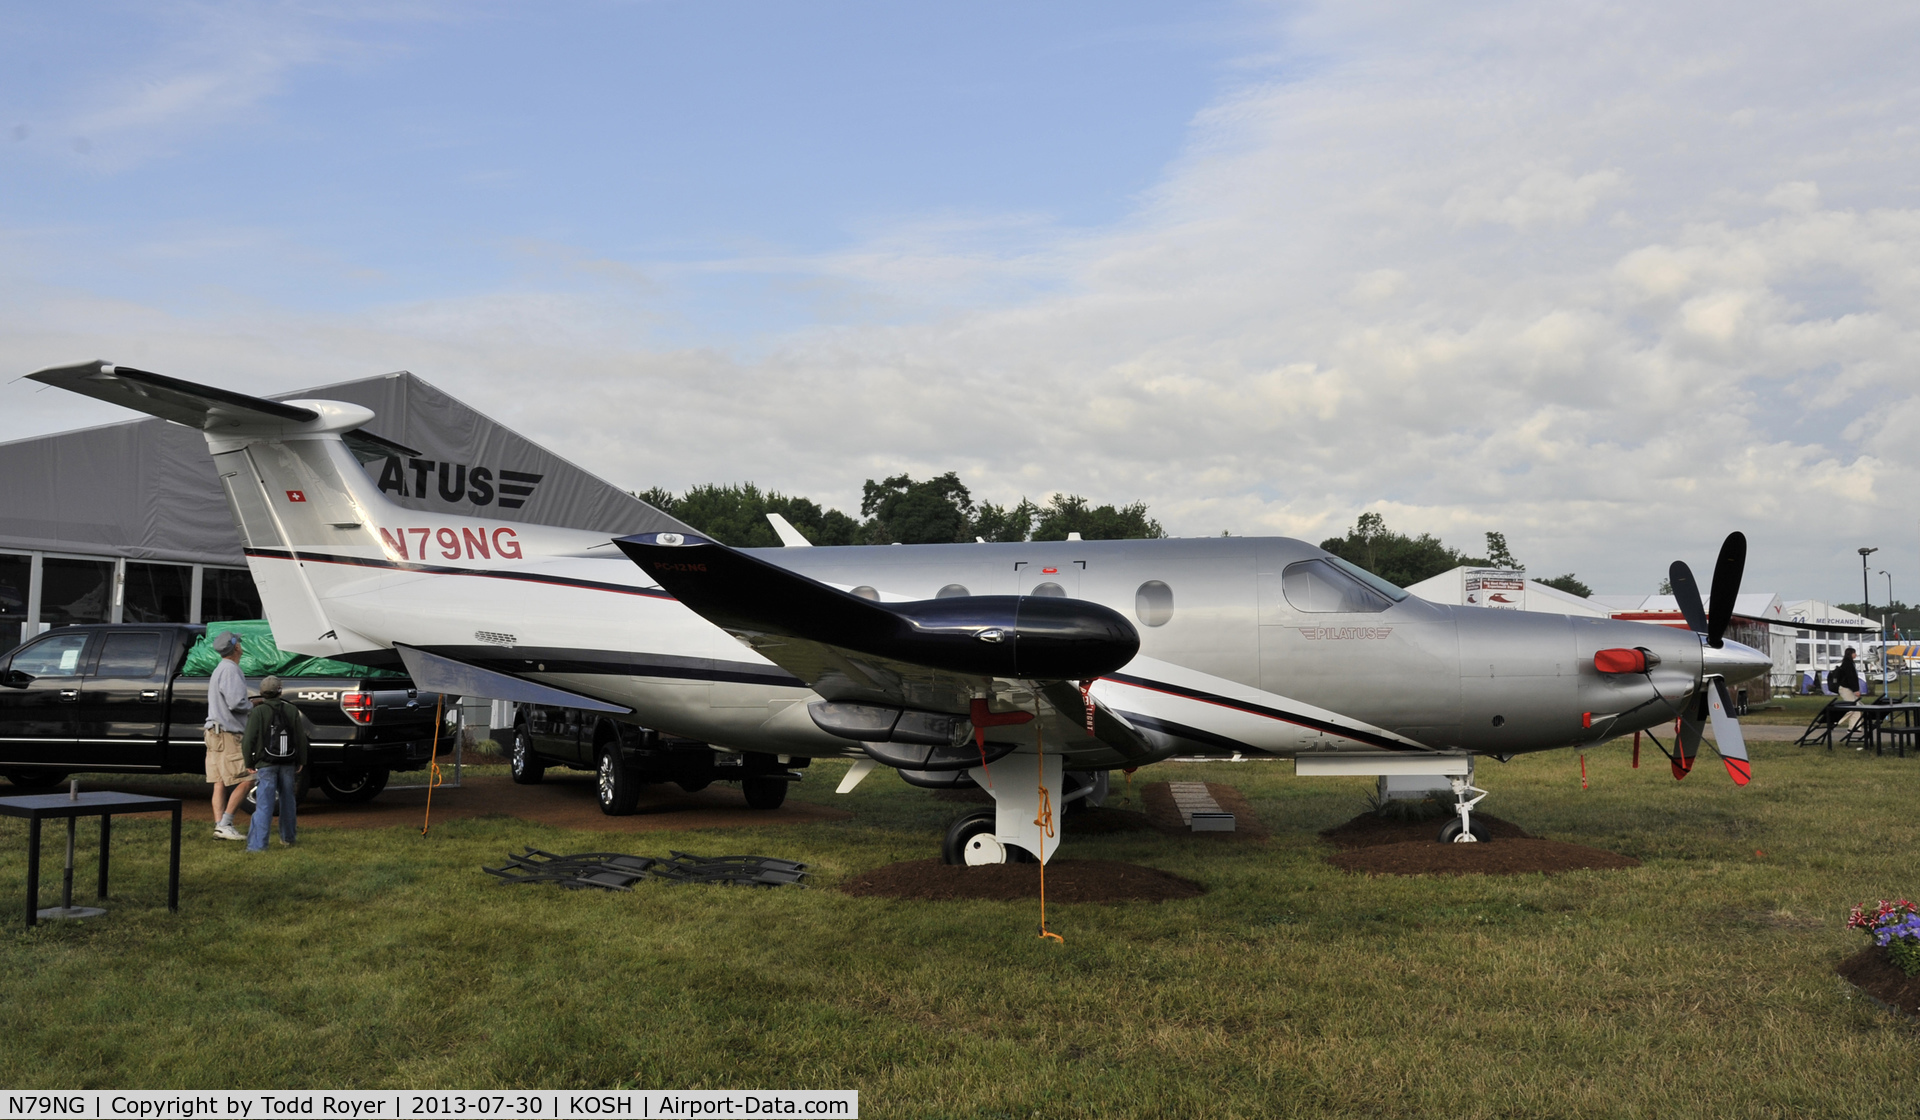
[(226, 831)]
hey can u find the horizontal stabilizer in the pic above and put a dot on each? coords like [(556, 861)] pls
[(434, 673), (183, 402)]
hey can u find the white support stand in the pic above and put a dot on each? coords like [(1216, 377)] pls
[(1016, 800)]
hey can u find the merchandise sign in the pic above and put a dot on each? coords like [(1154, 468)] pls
[(1495, 587), (423, 1104)]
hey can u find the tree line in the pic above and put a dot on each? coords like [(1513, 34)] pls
[(898, 510), (1403, 560)]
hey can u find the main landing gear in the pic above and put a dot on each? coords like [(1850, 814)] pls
[(1022, 826)]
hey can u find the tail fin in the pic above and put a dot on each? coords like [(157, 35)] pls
[(314, 524)]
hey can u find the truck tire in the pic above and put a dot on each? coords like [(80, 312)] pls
[(764, 793), (617, 786), (348, 786), (527, 767), (36, 779)]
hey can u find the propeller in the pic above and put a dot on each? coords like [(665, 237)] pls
[(1714, 704), (1726, 588)]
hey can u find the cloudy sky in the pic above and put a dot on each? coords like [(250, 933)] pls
[(1612, 279)]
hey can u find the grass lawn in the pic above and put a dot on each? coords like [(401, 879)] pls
[(1698, 985)]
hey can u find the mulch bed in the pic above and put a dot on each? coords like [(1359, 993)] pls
[(1370, 830), (1870, 971), (1068, 880), (1157, 798), (1374, 845)]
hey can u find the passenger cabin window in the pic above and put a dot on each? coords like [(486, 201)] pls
[(1153, 603), (56, 655), (951, 591), (1049, 590), (1333, 586), (129, 655)]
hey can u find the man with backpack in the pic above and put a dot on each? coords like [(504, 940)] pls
[(275, 742)]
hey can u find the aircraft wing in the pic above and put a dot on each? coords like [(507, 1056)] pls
[(934, 655)]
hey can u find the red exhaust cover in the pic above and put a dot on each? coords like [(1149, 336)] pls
[(1620, 661)]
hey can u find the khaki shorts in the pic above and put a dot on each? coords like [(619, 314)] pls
[(226, 764)]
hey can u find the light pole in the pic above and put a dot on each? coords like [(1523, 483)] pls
[(1866, 596), (1886, 663)]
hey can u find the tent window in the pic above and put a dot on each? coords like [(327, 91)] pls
[(157, 593), (75, 591), (228, 593), (16, 573)]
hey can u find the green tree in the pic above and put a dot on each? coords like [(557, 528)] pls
[(937, 511), (737, 515), (1569, 584), (1005, 524), (1498, 556), (1396, 557), (1071, 513)]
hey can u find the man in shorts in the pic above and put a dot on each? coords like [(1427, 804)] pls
[(227, 707)]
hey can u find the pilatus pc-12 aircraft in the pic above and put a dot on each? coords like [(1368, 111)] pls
[(1028, 669)]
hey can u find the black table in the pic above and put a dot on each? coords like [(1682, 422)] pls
[(103, 804), (1881, 720)]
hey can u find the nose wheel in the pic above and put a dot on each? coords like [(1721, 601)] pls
[(1464, 829)]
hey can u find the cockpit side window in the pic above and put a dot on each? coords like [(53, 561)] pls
[(1324, 587)]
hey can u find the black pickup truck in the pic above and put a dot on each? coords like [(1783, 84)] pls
[(112, 698), (624, 757)]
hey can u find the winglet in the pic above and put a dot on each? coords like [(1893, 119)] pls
[(789, 536)]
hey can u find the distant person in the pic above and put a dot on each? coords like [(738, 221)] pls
[(276, 746), (227, 708), (1846, 679)]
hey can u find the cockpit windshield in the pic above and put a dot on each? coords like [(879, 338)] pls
[(1333, 586)]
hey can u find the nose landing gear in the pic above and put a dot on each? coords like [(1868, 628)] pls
[(1465, 830)]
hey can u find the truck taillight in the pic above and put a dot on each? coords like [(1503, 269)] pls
[(358, 706)]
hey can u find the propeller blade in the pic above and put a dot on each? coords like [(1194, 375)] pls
[(1726, 734), (1688, 592), (1686, 738), (1726, 586)]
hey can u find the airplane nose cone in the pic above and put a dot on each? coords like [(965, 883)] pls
[(1734, 661)]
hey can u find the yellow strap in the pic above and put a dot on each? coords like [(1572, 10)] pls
[(433, 765)]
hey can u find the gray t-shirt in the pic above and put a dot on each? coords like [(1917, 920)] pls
[(225, 692)]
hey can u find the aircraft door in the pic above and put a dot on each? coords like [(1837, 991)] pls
[(1058, 576)]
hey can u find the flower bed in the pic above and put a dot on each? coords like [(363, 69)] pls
[(1889, 969)]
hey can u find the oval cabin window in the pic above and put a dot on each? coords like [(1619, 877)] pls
[(952, 591), (866, 592), (1050, 590), (1153, 603)]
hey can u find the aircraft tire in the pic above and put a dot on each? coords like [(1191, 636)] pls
[(953, 850), (348, 786), (617, 786), (764, 793), (1450, 832), (526, 767), (36, 779)]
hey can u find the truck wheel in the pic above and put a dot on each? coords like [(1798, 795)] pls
[(36, 779), (528, 768), (619, 788), (302, 783), (764, 793), (348, 786)]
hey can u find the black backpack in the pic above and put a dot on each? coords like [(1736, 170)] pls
[(279, 749)]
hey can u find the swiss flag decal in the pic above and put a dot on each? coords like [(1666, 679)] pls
[(296, 495)]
